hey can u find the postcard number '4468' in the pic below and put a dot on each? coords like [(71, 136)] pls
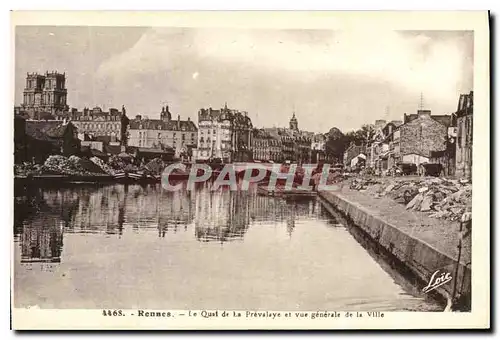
[(112, 313)]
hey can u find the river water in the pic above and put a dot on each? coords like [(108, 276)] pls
[(143, 247)]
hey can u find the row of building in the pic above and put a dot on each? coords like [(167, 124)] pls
[(419, 139), (44, 118)]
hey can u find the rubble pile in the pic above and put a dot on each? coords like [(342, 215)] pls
[(28, 169), (60, 165), (333, 177), (117, 163), (85, 165), (442, 198), (104, 167), (363, 184)]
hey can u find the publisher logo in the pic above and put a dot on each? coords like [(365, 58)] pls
[(438, 279)]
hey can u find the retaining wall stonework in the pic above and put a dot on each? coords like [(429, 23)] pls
[(419, 257)]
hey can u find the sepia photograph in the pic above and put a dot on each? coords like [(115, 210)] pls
[(227, 173)]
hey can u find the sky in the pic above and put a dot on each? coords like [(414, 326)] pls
[(328, 78)]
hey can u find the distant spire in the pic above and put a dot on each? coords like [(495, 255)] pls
[(225, 105), (421, 104)]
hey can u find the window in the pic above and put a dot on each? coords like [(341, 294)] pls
[(183, 136), (159, 135)]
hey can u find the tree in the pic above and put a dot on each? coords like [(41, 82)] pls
[(360, 136), (335, 144)]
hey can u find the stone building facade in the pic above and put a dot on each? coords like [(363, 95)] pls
[(295, 144), (242, 128), (318, 148), (464, 135), (414, 140), (96, 122), (180, 135), (224, 134), (265, 147), (44, 95), (381, 150)]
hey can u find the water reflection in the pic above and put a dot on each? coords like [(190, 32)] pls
[(44, 215), (141, 246)]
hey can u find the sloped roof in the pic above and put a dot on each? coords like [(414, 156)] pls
[(158, 124), (446, 120), (45, 130)]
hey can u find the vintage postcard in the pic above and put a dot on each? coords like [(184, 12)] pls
[(250, 170)]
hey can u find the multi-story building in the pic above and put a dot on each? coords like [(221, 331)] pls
[(214, 135), (318, 148), (464, 116), (265, 147), (45, 98), (97, 123), (181, 135), (420, 134), (295, 144), (45, 95), (381, 150), (224, 134)]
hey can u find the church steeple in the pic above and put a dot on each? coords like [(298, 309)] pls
[(294, 124), (165, 114)]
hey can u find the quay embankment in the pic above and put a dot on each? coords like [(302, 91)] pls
[(60, 179), (419, 244)]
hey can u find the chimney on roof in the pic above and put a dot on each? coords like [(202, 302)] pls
[(179, 122)]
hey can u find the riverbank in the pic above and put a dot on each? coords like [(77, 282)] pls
[(59, 179), (421, 243)]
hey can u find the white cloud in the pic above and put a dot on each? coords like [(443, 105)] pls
[(245, 66), (415, 63)]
